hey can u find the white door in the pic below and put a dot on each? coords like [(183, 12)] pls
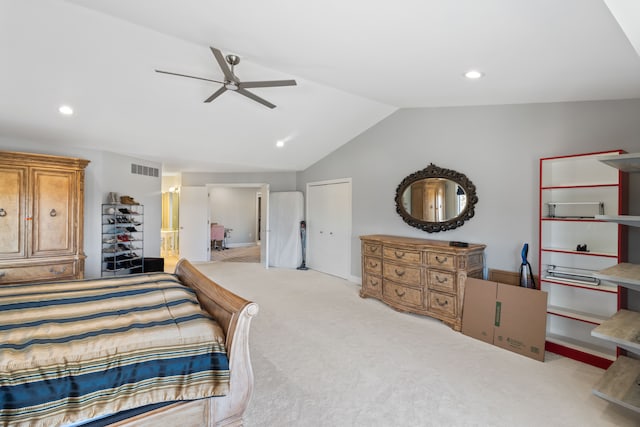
[(264, 229), (194, 231), (329, 227)]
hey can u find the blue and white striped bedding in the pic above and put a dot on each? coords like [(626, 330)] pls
[(76, 350)]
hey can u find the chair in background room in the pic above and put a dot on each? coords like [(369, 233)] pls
[(217, 237)]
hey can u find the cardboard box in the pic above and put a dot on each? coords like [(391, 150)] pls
[(507, 316)]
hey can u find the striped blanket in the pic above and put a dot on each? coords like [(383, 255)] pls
[(76, 350)]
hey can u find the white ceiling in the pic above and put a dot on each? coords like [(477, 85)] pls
[(355, 61)]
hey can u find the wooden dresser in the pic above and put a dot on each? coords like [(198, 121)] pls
[(418, 275), (41, 217)]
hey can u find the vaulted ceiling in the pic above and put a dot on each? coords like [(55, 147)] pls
[(355, 63)]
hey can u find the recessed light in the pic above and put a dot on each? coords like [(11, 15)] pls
[(473, 74), (65, 110), (280, 144)]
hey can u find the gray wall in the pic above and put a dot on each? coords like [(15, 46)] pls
[(497, 147), (107, 172), (278, 181)]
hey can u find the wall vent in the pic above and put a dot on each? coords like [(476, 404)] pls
[(144, 170)]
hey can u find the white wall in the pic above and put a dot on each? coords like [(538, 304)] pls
[(278, 181), (497, 147), (107, 172), (235, 208)]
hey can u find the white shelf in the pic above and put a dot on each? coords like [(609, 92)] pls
[(576, 315), (625, 274), (633, 221), (623, 328), (624, 162), (582, 346), (620, 385)]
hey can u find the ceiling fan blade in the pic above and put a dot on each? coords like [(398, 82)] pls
[(184, 75), (216, 94), (255, 98), (269, 83), (223, 64)]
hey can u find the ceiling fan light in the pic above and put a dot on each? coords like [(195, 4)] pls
[(231, 85), (473, 74)]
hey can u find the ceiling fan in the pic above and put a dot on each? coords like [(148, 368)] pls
[(232, 82)]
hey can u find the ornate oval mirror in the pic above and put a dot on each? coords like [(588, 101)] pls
[(436, 199)]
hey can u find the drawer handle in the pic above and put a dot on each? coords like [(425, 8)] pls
[(399, 294), (399, 254), (373, 264), (373, 249), (2, 273), (440, 280), (3, 212), (53, 212), (442, 304), (52, 270), (441, 261), (374, 283), (400, 273)]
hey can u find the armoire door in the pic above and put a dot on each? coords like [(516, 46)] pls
[(329, 227), (12, 211), (53, 216)]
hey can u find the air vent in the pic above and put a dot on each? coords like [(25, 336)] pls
[(144, 170)]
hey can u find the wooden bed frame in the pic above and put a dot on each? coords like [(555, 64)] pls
[(234, 315)]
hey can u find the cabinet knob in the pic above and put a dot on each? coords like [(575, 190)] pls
[(374, 283), (400, 273), (373, 248), (441, 260), (3, 212), (399, 254), (373, 264), (441, 280), (53, 212), (400, 294)]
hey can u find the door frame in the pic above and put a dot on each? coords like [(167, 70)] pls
[(308, 217), (264, 189)]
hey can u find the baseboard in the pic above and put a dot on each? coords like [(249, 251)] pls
[(240, 245), (355, 279)]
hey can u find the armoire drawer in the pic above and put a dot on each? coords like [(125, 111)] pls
[(442, 280), (58, 271), (402, 273), (373, 265), (403, 295), (402, 255), (443, 303)]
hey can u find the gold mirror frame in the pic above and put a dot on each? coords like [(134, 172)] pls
[(433, 171)]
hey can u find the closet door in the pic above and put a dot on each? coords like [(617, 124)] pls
[(12, 211), (329, 227), (53, 216)]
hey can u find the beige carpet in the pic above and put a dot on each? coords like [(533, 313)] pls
[(241, 254), (323, 356)]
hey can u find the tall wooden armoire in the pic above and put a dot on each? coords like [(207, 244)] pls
[(41, 217)]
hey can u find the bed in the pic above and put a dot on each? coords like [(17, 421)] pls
[(145, 350)]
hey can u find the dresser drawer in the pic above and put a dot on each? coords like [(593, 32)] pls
[(441, 259), (442, 280), (372, 285), (374, 249), (402, 255), (402, 273), (58, 271), (443, 304), (373, 265), (400, 294)]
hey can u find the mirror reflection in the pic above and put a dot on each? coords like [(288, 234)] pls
[(434, 199)]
